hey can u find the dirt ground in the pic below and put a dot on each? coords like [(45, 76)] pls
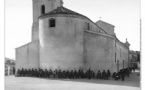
[(29, 83)]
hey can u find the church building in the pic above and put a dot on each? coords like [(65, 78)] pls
[(64, 39)]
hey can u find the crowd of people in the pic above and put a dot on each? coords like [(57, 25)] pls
[(122, 74), (73, 74), (70, 74)]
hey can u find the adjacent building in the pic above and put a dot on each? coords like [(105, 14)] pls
[(9, 66), (134, 57)]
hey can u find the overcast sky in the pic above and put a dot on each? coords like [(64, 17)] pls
[(123, 14)]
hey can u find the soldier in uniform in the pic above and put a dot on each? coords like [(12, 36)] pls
[(32, 72), (28, 72), (122, 75), (103, 74), (79, 74), (75, 74), (63, 73), (39, 72), (13, 71), (59, 73), (71, 74), (89, 74), (42, 74), (22, 72), (98, 74), (66, 74), (25, 72), (82, 72), (45, 73), (35, 73), (93, 74), (18, 73), (108, 74), (49, 73), (127, 72)]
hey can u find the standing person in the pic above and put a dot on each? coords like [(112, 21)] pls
[(59, 73), (122, 75), (35, 73), (93, 74), (67, 74), (89, 74), (56, 73), (18, 73), (72, 73), (99, 74), (127, 72), (29, 72), (103, 74), (13, 71), (134, 69), (75, 74), (108, 74), (63, 74), (45, 73), (25, 72), (22, 72)]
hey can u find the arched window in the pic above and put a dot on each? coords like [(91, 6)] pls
[(87, 26), (52, 22), (42, 9)]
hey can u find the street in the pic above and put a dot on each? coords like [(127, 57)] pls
[(28, 83)]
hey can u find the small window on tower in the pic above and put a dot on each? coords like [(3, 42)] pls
[(52, 23), (42, 9)]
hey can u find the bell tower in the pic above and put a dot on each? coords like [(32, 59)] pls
[(41, 7)]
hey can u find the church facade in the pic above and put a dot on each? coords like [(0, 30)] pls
[(64, 39)]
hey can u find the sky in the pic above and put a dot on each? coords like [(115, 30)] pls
[(123, 14)]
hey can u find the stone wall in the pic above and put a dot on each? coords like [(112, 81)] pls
[(27, 56)]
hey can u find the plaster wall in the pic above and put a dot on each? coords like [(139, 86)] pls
[(27, 56), (99, 52), (61, 46), (21, 57), (121, 54)]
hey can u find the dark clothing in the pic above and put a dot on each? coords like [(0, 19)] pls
[(104, 75), (108, 74), (99, 75)]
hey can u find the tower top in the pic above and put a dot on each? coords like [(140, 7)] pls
[(61, 2)]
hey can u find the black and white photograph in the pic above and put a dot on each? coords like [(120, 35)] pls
[(72, 45)]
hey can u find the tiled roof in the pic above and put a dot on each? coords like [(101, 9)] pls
[(62, 10)]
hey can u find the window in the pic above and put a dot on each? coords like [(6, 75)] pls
[(115, 57), (123, 64), (87, 26), (120, 52), (52, 23), (115, 44), (42, 9)]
